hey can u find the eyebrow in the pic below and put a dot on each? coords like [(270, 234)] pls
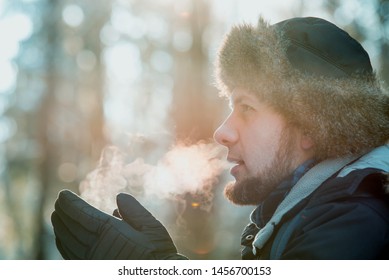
[(237, 100)]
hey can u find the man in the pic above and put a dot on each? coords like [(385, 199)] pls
[(307, 135)]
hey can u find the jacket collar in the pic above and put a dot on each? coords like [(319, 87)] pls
[(262, 214), (377, 158)]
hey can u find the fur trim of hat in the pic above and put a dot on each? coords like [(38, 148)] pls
[(343, 115)]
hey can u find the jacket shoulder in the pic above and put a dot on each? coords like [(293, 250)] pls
[(346, 218)]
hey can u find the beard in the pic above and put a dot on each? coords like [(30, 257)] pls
[(253, 190)]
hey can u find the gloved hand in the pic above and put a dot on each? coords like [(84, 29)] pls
[(84, 232)]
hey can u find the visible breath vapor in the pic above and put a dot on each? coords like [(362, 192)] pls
[(183, 169)]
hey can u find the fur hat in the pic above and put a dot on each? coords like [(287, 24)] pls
[(313, 73)]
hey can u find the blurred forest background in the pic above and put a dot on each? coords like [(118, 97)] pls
[(79, 75)]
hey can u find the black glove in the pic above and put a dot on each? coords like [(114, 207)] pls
[(84, 232)]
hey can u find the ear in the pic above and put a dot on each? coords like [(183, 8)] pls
[(306, 142)]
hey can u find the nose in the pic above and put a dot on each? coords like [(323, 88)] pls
[(226, 134)]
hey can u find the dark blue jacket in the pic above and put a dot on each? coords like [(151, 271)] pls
[(345, 218)]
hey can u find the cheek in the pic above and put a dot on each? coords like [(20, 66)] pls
[(262, 155), (261, 149)]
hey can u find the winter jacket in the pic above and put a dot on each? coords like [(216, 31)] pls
[(346, 217)]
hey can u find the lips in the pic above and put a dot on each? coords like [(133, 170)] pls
[(238, 165)]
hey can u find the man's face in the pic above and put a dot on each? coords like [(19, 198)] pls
[(261, 146)]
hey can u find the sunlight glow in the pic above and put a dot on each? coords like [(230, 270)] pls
[(8, 76), (125, 23), (123, 62), (73, 15), (16, 27)]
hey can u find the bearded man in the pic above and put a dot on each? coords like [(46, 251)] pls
[(307, 135)]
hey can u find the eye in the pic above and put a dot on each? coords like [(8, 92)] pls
[(244, 108)]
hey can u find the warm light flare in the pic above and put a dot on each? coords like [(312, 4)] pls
[(195, 204)]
